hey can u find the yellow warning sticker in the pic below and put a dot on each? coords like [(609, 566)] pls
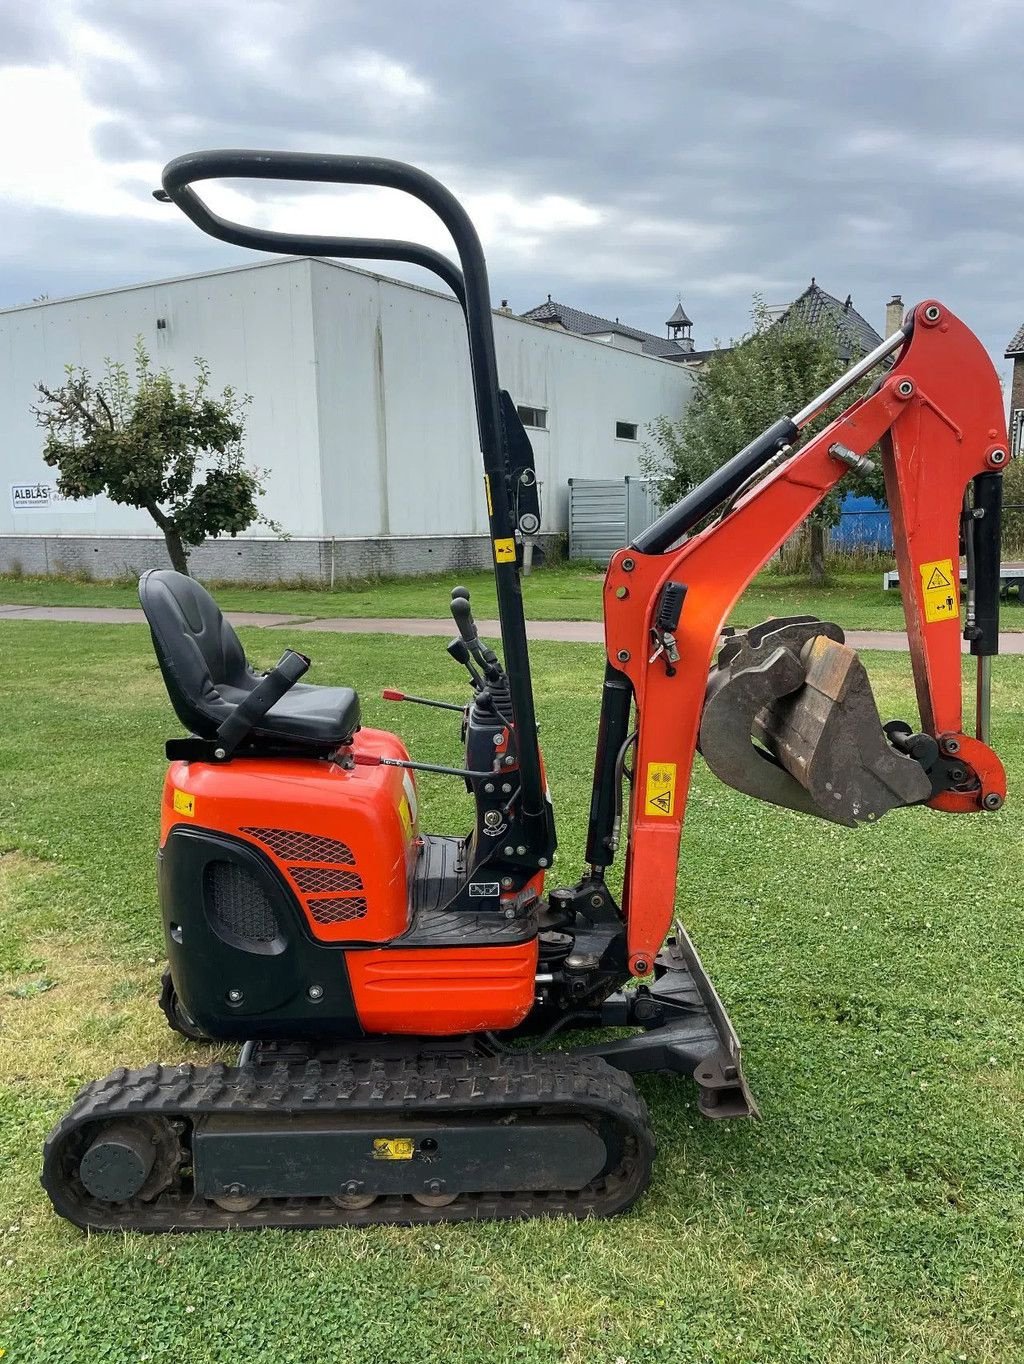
[(393, 1148), (184, 804), (660, 795), (505, 551), (940, 590), (487, 491), (405, 816)]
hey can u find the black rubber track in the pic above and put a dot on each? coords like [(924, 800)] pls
[(553, 1084)]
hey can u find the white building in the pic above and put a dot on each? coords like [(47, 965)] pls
[(362, 416)]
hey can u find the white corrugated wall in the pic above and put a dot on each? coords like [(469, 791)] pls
[(362, 401)]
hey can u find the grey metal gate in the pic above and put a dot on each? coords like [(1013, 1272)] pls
[(607, 513)]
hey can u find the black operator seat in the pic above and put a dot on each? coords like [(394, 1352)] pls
[(208, 677)]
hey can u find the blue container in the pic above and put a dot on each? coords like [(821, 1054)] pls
[(863, 524)]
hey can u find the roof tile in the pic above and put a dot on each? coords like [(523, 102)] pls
[(1016, 346), (857, 336)]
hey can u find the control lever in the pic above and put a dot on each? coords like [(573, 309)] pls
[(459, 650), (389, 694), (373, 760), (462, 614)]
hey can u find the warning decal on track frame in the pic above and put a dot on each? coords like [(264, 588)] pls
[(393, 1148), (660, 793), (940, 590)]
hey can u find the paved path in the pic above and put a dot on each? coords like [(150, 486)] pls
[(565, 631)]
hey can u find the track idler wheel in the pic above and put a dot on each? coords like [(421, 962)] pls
[(129, 1159), (354, 1201), (237, 1202), (434, 1200)]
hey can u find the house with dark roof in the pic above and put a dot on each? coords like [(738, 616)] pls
[(676, 345), (855, 335), (1015, 352)]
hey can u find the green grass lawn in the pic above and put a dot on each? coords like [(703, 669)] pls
[(856, 600), (874, 1214)]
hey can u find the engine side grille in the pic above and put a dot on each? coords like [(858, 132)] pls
[(296, 846), (340, 911), (237, 904), (325, 879)]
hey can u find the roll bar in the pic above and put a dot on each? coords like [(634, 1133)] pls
[(179, 175), (471, 288)]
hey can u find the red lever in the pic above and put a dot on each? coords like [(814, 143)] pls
[(389, 694)]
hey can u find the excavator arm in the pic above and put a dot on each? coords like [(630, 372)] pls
[(793, 685)]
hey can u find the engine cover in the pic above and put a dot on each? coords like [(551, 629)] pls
[(299, 900), (342, 840)]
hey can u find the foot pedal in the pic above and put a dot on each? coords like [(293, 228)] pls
[(797, 688)]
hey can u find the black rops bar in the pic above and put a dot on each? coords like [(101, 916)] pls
[(472, 289), (686, 513), (179, 174)]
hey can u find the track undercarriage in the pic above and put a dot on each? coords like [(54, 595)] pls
[(319, 1143), (399, 1131)]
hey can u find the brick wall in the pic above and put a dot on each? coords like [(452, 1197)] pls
[(251, 559)]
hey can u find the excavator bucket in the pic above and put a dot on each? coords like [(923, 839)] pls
[(796, 688)]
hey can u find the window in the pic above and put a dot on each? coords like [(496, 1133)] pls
[(533, 416), (625, 430), (1017, 432)]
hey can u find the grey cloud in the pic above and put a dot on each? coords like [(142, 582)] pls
[(813, 137)]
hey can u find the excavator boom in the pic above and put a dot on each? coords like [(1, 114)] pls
[(793, 685)]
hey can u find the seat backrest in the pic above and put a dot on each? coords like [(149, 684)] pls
[(200, 656)]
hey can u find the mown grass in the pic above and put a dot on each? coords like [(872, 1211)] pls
[(874, 1214), (558, 593)]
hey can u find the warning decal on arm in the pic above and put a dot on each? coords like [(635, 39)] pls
[(660, 794), (940, 590), (505, 551)]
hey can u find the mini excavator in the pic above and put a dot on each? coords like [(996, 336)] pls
[(403, 1000)]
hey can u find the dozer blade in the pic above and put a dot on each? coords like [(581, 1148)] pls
[(796, 687)]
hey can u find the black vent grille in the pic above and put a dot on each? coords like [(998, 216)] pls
[(321, 879), (237, 904), (300, 847), (338, 911)]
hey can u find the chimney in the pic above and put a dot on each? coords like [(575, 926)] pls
[(893, 315)]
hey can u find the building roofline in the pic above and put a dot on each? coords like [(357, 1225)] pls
[(268, 264), (277, 261)]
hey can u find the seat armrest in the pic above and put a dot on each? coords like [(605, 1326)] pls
[(247, 715)]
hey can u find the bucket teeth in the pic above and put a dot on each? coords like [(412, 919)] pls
[(795, 687)]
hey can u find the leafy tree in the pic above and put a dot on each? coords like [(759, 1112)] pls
[(1013, 509), (146, 441), (771, 373)]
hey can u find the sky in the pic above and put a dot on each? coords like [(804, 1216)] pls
[(616, 155)]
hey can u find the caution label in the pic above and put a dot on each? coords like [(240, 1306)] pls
[(505, 551), (940, 590), (660, 793), (393, 1148), (184, 804)]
